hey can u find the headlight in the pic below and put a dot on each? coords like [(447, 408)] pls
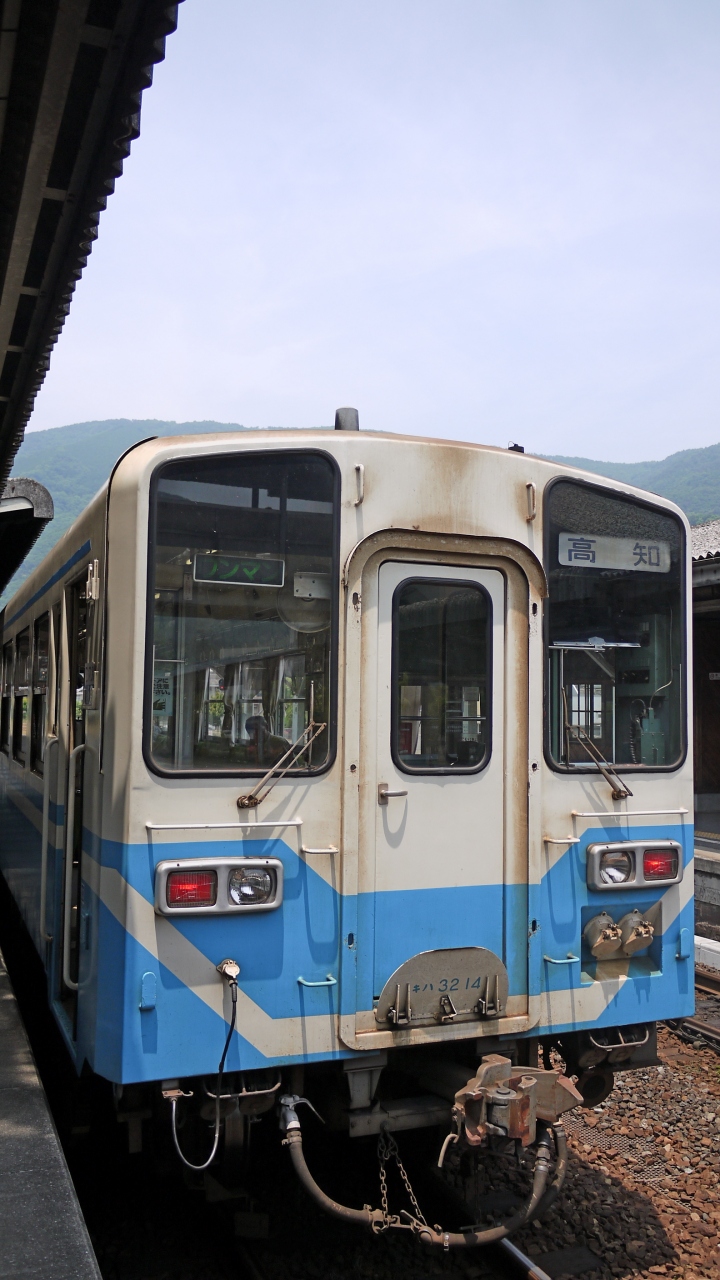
[(616, 866), (250, 885)]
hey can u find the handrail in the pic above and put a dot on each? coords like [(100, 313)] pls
[(234, 826), (216, 826), (632, 813), (69, 834), (50, 741), (51, 679)]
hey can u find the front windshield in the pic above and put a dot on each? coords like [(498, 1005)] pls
[(242, 595), (616, 636)]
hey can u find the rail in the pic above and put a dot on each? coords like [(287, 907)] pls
[(242, 826), (632, 813)]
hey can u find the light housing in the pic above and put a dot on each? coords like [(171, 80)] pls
[(218, 886), (651, 863)]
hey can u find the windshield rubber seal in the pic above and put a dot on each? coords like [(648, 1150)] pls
[(151, 764), (619, 769), (442, 770)]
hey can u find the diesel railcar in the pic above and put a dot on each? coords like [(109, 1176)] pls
[(359, 762)]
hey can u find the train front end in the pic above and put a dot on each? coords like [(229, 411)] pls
[(397, 807)]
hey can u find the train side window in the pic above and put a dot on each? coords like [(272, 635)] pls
[(6, 705), (38, 723), (21, 697), (441, 676), (243, 613)]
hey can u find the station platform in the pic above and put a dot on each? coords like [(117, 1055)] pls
[(42, 1230)]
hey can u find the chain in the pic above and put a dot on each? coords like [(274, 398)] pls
[(388, 1149), (382, 1156)]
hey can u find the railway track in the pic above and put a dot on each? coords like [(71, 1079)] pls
[(696, 1031), (505, 1260), (707, 981)]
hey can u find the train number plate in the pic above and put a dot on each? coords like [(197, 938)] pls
[(455, 984)]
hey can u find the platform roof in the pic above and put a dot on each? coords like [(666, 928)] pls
[(706, 540), (72, 74)]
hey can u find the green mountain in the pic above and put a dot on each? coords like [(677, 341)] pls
[(73, 462), (690, 478)]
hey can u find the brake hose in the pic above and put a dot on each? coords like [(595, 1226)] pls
[(231, 979)]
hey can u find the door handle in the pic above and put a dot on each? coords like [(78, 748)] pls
[(384, 794)]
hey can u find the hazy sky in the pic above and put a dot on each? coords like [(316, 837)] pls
[(485, 219)]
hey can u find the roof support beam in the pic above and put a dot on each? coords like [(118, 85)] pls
[(60, 65), (70, 94)]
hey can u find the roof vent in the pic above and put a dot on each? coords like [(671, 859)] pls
[(347, 420), (516, 448)]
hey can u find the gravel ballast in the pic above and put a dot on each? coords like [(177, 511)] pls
[(643, 1187)]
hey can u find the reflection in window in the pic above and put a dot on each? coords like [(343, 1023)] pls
[(586, 708), (441, 675), (21, 701), (615, 630), (242, 590)]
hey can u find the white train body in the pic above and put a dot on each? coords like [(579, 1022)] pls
[(423, 873)]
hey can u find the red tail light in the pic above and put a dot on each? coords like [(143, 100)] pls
[(660, 864), (192, 888)]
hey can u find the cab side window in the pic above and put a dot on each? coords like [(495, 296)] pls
[(6, 703), (38, 727), (21, 697)]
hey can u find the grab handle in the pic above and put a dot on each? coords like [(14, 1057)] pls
[(569, 959), (50, 741), (384, 794), (324, 982), (69, 834)]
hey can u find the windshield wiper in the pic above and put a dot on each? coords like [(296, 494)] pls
[(253, 798), (619, 790)]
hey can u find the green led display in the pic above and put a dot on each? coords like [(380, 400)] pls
[(244, 571)]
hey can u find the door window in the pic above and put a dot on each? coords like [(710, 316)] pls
[(21, 702), (39, 694), (6, 707), (441, 676)]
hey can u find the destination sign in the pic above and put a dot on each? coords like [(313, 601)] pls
[(242, 571), (587, 551)]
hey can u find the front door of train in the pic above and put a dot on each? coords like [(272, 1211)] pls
[(434, 762)]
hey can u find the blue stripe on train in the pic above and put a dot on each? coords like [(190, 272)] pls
[(303, 938)]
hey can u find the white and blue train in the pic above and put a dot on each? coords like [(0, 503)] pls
[(364, 759)]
